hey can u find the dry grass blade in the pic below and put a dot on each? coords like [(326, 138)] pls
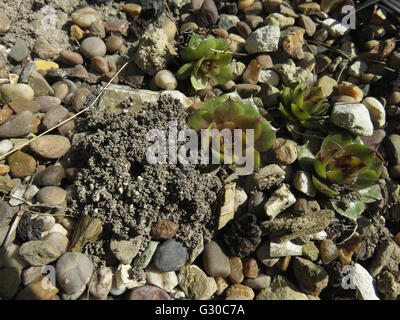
[(88, 230)]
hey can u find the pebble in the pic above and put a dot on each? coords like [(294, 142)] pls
[(170, 255), (51, 146), (20, 192), (6, 213), (39, 252), (250, 268), (31, 274), (357, 68), (39, 85), (10, 91), (392, 146), (327, 84), (208, 14), (48, 221), (387, 256), (239, 292), (376, 111), (236, 42), (279, 20), (281, 289), (76, 33), (265, 61), (19, 51), (194, 282), (329, 251), (11, 258), (165, 79), (284, 151), (246, 90), (10, 278), (252, 72), (101, 283), (133, 10), (51, 195), (79, 98), (51, 176), (73, 271), (335, 28), (85, 17), (40, 289), (145, 257), (47, 102), (227, 21), (254, 21), (113, 43), (44, 49), (287, 248), (148, 292), (54, 116), (236, 275), (5, 22), (303, 182), (126, 250), (310, 251), (280, 200), (70, 58), (20, 104), (265, 39), (59, 240), (243, 29), (216, 263), (92, 47), (308, 24), (21, 164), (221, 285), (164, 229), (364, 283), (97, 29), (262, 281), (311, 278), (353, 117), (164, 280), (100, 64), (5, 146)]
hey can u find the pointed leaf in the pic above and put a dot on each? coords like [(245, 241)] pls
[(323, 188), (185, 71)]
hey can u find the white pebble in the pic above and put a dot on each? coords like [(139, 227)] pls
[(164, 280), (102, 281), (270, 76), (20, 192), (5, 146), (165, 79), (376, 111)]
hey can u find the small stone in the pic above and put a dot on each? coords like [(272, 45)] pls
[(194, 282), (311, 278), (308, 24), (270, 77), (20, 104), (215, 262), (164, 280), (126, 250), (76, 33), (252, 72), (5, 146), (321, 63), (31, 274), (243, 29), (145, 257), (40, 289), (10, 278), (21, 164), (85, 17), (236, 43), (382, 51), (284, 249), (310, 251), (59, 240), (6, 213), (327, 84), (221, 285), (364, 283), (262, 281), (236, 276), (19, 51), (281, 289), (133, 10), (79, 98), (309, 8), (51, 146), (165, 79), (92, 47), (22, 191), (113, 43), (101, 284), (208, 14), (353, 117), (284, 151), (5, 22), (335, 28), (39, 253), (328, 5), (303, 182), (246, 90), (376, 111), (292, 75), (171, 255), (11, 258), (265, 178), (227, 21), (293, 44), (51, 176), (44, 49), (148, 292), (328, 251), (265, 61), (357, 68), (48, 221), (11, 91), (54, 116), (279, 201), (254, 21), (100, 64), (47, 102), (239, 291), (244, 4), (265, 39), (71, 58), (277, 19), (250, 268), (39, 85), (387, 256), (117, 26), (73, 271)]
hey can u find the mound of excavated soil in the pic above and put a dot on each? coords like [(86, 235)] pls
[(117, 185)]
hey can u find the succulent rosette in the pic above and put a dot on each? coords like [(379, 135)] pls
[(206, 59), (232, 113), (343, 160), (305, 105)]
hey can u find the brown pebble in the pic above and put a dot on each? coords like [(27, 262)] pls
[(54, 116), (36, 291), (236, 276), (283, 151), (51, 146), (100, 64), (134, 10), (283, 263), (328, 251), (397, 238), (20, 104), (164, 229), (243, 29), (113, 43), (240, 290), (265, 61), (71, 58), (79, 98), (250, 268), (21, 164), (254, 21)]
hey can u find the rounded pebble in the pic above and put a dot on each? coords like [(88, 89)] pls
[(51, 146), (51, 195), (85, 17), (148, 292), (92, 47), (39, 252), (165, 79), (51, 176), (216, 263), (164, 229), (71, 58), (113, 43), (101, 284), (170, 255), (59, 240)]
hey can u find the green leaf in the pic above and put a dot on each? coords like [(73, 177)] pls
[(371, 194), (306, 157), (354, 210), (323, 188), (332, 144), (266, 138), (221, 44), (185, 71), (300, 114), (320, 168), (225, 75)]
